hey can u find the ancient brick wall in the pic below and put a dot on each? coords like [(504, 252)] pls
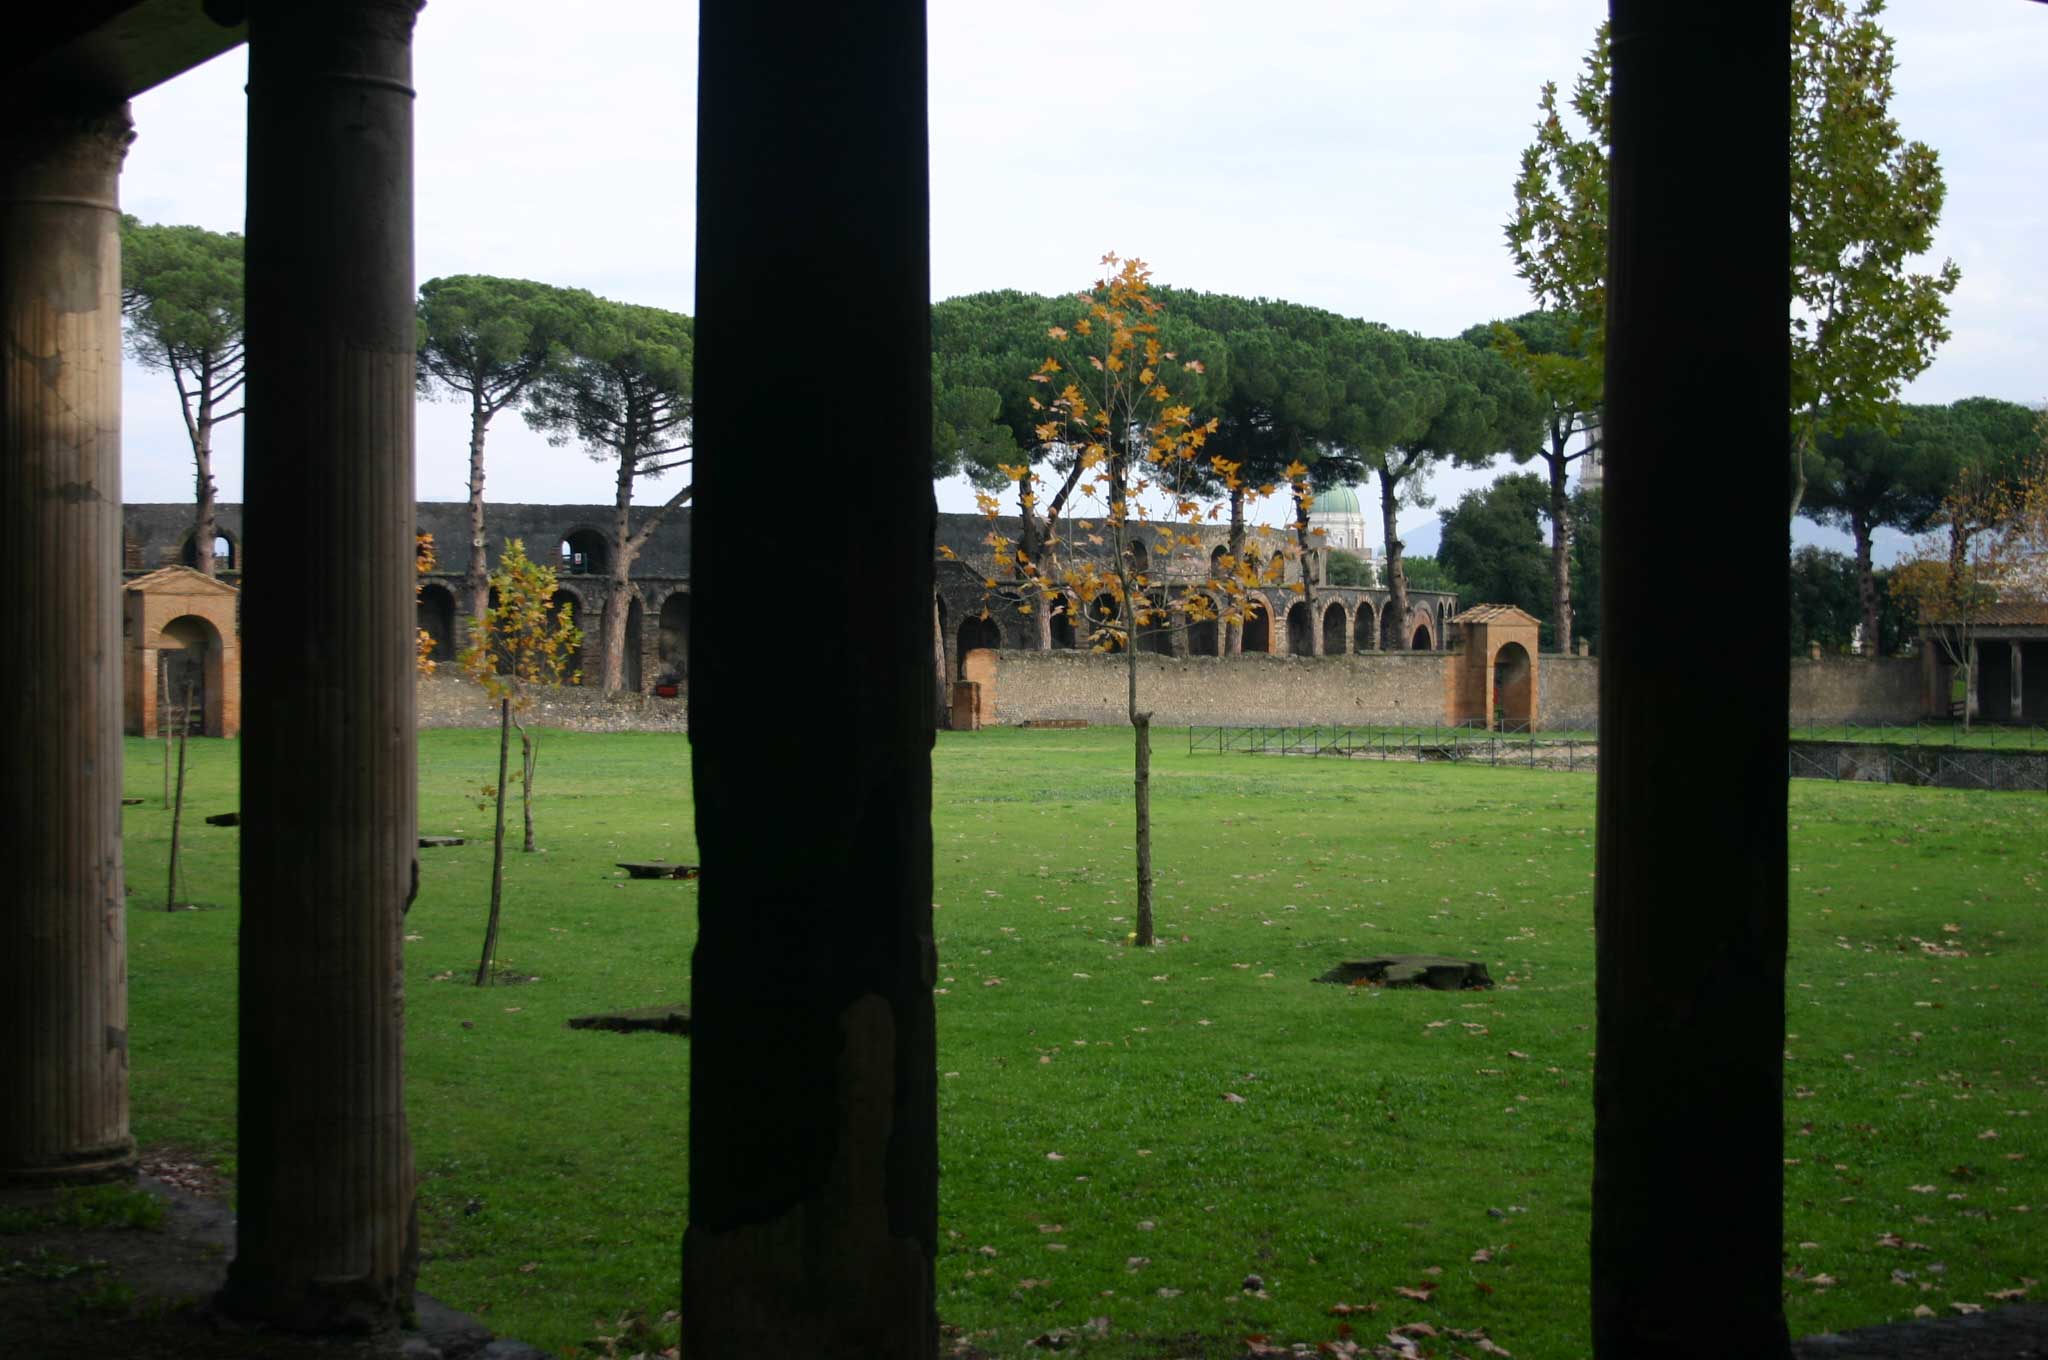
[(1404, 688), (1568, 693), (1856, 688)]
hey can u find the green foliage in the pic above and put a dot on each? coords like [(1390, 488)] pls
[(486, 338), (1349, 569), (1428, 573), (97, 1206), (1865, 203), (1826, 606), (1493, 542), (984, 346), (182, 300), (620, 388)]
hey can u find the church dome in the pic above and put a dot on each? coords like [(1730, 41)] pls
[(1338, 500)]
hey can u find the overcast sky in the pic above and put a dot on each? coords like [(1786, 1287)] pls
[(1354, 156)]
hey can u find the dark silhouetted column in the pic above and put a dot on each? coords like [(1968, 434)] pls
[(1690, 902), (63, 945), (813, 1143), (325, 1191)]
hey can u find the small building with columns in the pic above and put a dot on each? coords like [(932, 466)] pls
[(2007, 663)]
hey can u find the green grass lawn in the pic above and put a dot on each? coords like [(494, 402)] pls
[(1094, 1165)]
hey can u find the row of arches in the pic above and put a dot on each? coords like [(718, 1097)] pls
[(667, 648), (1344, 630)]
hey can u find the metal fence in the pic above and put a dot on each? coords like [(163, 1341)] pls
[(1924, 765), (1989, 736)]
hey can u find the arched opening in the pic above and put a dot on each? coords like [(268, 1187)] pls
[(1064, 634), (673, 645), (436, 611), (975, 632), (1336, 625), (1365, 631), (1421, 641), (1216, 556), (593, 630), (1258, 627), (1155, 633), (630, 672), (1105, 614), (1138, 556), (224, 554), (188, 659), (1390, 628), (1204, 637), (1301, 632), (585, 553), (1514, 693)]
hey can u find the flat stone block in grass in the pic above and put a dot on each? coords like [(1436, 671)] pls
[(661, 1019), (1437, 972), (655, 868), (436, 842)]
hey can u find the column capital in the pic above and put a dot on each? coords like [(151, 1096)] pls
[(81, 141)]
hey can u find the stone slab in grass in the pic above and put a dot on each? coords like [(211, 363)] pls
[(660, 1019), (655, 868), (436, 842), (1438, 972)]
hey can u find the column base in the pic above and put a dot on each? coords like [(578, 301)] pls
[(115, 1161)]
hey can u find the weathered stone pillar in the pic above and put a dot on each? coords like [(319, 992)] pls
[(1690, 899), (813, 1096), (63, 948), (325, 1231)]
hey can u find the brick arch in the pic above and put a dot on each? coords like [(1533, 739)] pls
[(1336, 629), (1259, 622)]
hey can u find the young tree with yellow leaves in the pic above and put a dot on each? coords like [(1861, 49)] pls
[(1137, 452), (523, 641)]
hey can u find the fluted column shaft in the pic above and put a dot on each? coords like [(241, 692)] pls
[(326, 1227), (813, 1099), (63, 946), (1689, 906)]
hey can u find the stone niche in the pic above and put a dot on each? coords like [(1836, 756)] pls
[(179, 638), (1493, 681)]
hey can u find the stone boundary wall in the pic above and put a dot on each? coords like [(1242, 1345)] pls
[(1932, 766), (1405, 688), (1567, 692), (1859, 689), (453, 701)]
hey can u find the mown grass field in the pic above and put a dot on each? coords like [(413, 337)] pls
[(1094, 1166)]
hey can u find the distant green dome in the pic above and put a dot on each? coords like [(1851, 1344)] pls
[(1338, 500)]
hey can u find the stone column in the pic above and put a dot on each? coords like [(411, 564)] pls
[(2016, 713), (63, 948), (326, 1234), (813, 1096), (1689, 903)]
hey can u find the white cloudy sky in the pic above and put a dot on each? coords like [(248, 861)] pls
[(1356, 156)]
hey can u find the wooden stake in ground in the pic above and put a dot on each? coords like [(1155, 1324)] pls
[(483, 966), (178, 802)]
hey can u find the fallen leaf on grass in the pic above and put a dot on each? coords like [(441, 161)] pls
[(1166, 1293), (1419, 1295), (2006, 1295), (1482, 1256), (1134, 1264), (1921, 1310), (1232, 1098), (529, 1268), (1413, 1329), (1052, 1227), (1965, 1308), (1347, 1309)]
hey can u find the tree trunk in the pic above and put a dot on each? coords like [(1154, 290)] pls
[(942, 711), (178, 803), (1308, 585), (483, 964), (477, 576), (1397, 575), (1691, 872), (203, 524), (1800, 444), (1233, 633), (1866, 584), (529, 754), (612, 668), (1560, 546)]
